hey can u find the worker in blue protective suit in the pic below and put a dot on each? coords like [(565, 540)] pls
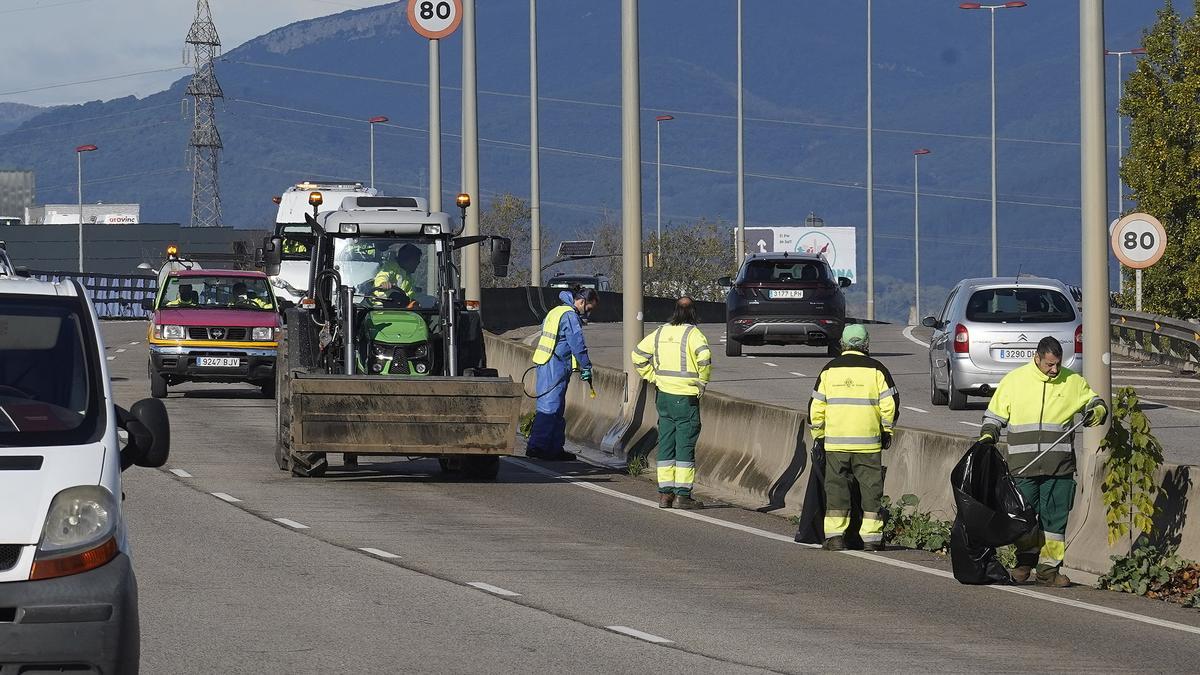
[(560, 350)]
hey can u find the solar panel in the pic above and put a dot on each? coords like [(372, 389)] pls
[(576, 249)]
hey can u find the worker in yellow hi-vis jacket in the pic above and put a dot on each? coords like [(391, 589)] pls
[(677, 359)]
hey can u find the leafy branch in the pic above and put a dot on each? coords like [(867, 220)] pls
[(1130, 470)]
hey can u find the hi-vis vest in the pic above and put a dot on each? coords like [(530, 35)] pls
[(676, 359), (1036, 411), (853, 404), (549, 337)]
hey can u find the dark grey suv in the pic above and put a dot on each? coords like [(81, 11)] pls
[(784, 299)]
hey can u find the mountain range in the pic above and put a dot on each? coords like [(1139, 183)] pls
[(297, 100)]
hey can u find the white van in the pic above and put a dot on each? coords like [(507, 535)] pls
[(68, 597)]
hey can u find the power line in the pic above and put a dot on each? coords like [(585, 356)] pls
[(88, 119), (33, 7), (95, 79)]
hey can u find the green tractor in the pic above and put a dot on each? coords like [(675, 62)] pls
[(372, 365)]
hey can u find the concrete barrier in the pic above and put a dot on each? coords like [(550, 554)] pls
[(755, 455)]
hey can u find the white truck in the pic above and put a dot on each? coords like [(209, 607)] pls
[(291, 283)]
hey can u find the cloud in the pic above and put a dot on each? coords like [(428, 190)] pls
[(59, 41)]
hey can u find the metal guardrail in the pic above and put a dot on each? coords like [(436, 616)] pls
[(116, 296), (1165, 339)]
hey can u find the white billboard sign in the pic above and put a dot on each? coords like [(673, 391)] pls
[(837, 244)]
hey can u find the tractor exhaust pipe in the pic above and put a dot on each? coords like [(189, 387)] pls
[(348, 327)]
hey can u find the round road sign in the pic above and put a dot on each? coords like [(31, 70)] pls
[(435, 19), (1139, 240)]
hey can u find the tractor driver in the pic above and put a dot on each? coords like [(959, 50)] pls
[(396, 271)]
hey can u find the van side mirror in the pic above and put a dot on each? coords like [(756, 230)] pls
[(149, 432), (930, 322), (844, 282), (501, 255), (148, 304), (725, 282), (272, 255)]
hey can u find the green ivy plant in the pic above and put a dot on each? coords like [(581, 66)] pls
[(1144, 569), (1130, 470)]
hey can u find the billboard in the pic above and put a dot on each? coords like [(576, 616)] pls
[(837, 244)]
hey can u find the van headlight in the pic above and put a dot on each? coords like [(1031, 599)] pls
[(262, 334), (169, 332), (79, 533)]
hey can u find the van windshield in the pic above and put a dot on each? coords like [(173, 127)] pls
[(48, 381), (1020, 305)]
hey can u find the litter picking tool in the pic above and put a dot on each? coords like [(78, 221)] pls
[(1062, 438)]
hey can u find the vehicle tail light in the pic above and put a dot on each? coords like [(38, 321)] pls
[(473, 305), (1079, 339), (962, 340)]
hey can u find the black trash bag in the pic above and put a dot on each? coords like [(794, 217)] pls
[(811, 529), (991, 513)]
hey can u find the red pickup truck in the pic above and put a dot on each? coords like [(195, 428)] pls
[(213, 326)]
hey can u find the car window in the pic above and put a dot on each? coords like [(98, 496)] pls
[(946, 309), (1019, 305), (783, 271), (48, 373)]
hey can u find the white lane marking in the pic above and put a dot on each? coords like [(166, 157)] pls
[(181, 473), (751, 357), (225, 497), (110, 358), (768, 363), (798, 374), (633, 632), (1163, 387), (883, 560), (908, 333), (121, 351), (379, 552), (917, 410), (493, 589), (291, 523), (972, 424), (135, 342)]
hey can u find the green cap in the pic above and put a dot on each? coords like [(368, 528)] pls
[(855, 337)]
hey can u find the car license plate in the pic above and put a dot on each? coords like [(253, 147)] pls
[(218, 361), (787, 295), (1016, 354)]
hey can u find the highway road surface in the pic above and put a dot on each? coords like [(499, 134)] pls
[(556, 567), (786, 375)]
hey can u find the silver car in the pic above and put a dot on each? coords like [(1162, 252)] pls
[(991, 326)]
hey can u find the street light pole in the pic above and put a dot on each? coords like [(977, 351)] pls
[(79, 175), (739, 245), (917, 154), (992, 11), (1121, 148), (372, 122), (470, 140), (631, 196), (870, 179), (535, 168), (658, 176)]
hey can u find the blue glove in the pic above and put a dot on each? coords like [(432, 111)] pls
[(586, 375)]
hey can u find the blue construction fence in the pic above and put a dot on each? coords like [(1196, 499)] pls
[(116, 296)]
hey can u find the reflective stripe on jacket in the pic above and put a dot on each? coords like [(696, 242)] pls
[(390, 272), (1036, 411), (676, 359), (562, 335), (853, 404)]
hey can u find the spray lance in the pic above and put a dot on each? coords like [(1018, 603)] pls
[(524, 390)]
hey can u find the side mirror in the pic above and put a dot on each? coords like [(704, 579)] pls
[(284, 305), (501, 255), (272, 255), (930, 322), (725, 282), (844, 282), (149, 433), (148, 304)]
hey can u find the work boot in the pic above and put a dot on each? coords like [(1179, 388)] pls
[(561, 456), (837, 543), (1021, 573), (665, 499), (687, 503), (1053, 578), (875, 546)]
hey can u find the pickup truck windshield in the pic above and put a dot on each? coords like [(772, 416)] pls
[(48, 373), (217, 292)]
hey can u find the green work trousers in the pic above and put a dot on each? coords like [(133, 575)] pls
[(678, 429), (843, 472), (1052, 498)]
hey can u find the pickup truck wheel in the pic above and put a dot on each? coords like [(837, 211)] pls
[(481, 467), (268, 389), (308, 464), (158, 383)]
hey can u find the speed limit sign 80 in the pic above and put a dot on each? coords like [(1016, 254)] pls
[(435, 19), (1139, 240)]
